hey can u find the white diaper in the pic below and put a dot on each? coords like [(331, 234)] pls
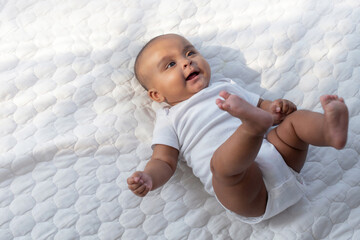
[(285, 187)]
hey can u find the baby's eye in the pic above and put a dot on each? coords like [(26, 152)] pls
[(190, 53), (171, 64)]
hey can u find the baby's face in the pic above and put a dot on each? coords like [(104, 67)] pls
[(174, 68)]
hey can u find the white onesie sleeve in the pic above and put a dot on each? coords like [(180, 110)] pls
[(164, 132)]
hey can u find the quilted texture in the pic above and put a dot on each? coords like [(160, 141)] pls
[(74, 122)]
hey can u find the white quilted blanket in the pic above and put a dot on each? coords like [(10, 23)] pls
[(74, 122)]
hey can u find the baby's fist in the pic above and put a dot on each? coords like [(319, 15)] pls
[(140, 183), (280, 108)]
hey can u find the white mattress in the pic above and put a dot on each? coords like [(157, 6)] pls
[(74, 122)]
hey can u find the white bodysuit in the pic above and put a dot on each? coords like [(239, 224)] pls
[(197, 127)]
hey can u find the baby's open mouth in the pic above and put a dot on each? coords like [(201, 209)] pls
[(192, 76)]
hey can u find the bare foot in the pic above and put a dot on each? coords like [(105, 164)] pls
[(336, 120), (256, 120)]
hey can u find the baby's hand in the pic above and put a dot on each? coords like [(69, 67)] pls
[(140, 183), (280, 108)]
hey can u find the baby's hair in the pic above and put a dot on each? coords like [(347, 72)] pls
[(138, 76)]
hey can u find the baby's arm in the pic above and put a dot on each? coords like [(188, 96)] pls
[(157, 172), (279, 108)]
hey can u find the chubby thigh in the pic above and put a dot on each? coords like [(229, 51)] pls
[(243, 194), (267, 187)]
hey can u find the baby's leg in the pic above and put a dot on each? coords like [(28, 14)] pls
[(301, 128), (237, 180)]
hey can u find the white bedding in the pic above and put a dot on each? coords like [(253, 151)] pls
[(74, 122)]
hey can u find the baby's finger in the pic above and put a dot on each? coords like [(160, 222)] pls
[(276, 106), (140, 190), (130, 181), (221, 104), (224, 94), (134, 186), (219, 101), (133, 180), (285, 107), (292, 108), (146, 191), (136, 176)]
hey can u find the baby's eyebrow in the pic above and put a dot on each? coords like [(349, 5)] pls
[(162, 60), (189, 46)]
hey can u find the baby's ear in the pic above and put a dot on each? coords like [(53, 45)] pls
[(155, 95)]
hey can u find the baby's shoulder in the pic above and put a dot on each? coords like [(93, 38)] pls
[(161, 112)]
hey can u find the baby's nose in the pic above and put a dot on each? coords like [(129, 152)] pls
[(187, 62)]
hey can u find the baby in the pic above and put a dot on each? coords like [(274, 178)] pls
[(228, 141)]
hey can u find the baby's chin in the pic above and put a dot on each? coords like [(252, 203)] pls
[(201, 88), (205, 84)]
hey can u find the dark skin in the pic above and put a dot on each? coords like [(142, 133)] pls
[(237, 180)]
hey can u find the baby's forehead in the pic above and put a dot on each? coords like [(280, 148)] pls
[(168, 41)]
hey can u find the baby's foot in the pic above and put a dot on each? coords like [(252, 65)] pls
[(336, 120), (256, 120)]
